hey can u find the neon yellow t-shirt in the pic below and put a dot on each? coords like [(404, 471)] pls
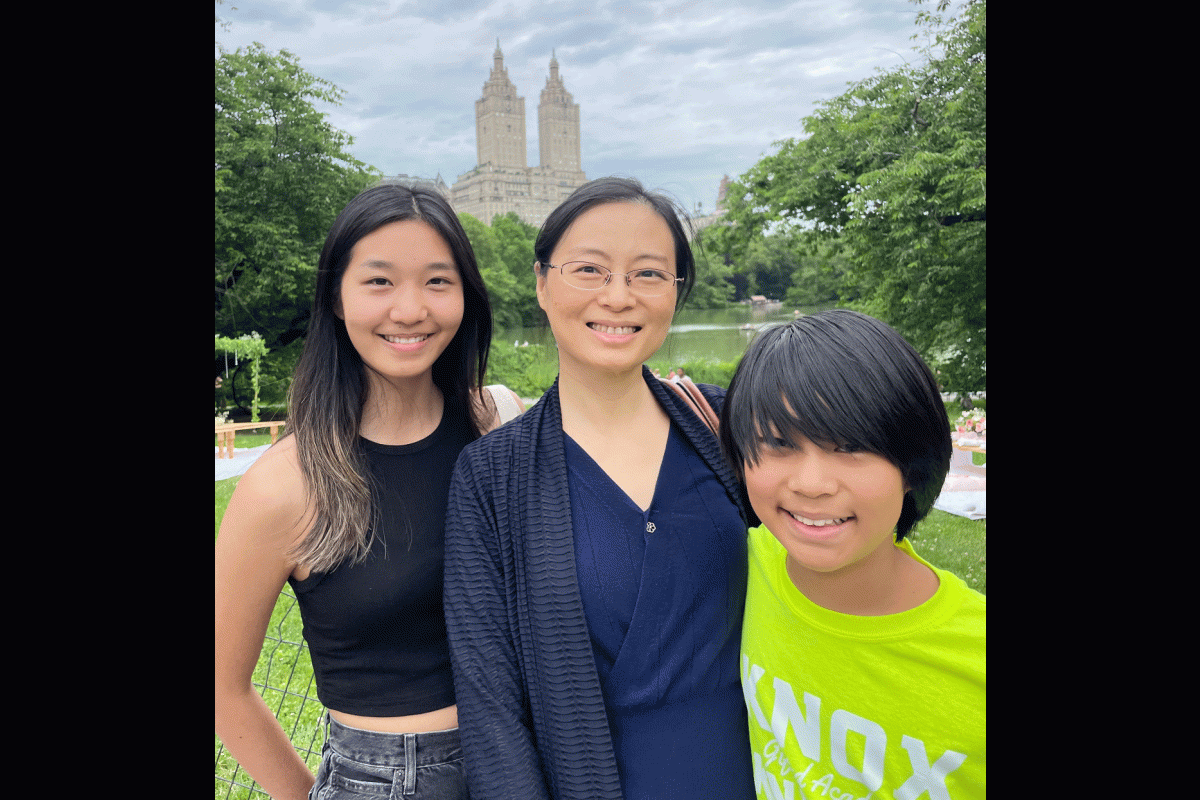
[(840, 706)]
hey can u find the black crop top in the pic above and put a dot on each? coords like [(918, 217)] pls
[(376, 630)]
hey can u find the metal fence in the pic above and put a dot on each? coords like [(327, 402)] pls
[(284, 679)]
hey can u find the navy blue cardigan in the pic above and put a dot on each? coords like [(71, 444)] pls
[(530, 710)]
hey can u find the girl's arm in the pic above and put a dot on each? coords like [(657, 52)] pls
[(265, 516), (501, 754)]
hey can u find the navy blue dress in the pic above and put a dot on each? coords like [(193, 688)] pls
[(663, 593)]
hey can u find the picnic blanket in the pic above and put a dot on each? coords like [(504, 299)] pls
[(241, 461), (965, 492)]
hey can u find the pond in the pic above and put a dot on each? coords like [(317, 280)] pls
[(719, 334)]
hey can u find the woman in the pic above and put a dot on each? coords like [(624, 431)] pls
[(595, 549), (349, 507)]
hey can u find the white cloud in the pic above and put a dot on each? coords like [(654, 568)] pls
[(674, 92)]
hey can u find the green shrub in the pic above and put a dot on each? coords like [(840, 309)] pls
[(719, 373), (527, 370), (711, 371)]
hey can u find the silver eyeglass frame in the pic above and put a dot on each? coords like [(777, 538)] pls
[(608, 276)]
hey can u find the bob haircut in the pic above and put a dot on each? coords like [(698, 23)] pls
[(841, 377), (330, 386), (618, 190)]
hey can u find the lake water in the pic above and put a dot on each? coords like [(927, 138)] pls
[(696, 334)]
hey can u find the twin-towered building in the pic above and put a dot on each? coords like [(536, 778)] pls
[(501, 181)]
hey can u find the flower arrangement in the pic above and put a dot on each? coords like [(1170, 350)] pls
[(971, 427)]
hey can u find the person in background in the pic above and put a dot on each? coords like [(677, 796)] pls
[(595, 548), (348, 508), (863, 665)]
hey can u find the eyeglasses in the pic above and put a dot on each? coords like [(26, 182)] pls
[(590, 277)]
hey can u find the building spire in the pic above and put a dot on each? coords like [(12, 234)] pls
[(497, 60)]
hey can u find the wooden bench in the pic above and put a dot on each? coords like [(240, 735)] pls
[(228, 430)]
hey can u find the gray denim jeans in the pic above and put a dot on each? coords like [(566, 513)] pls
[(397, 766)]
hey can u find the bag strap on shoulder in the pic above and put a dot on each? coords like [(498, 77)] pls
[(690, 393)]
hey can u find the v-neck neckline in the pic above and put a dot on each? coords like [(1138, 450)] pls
[(604, 476)]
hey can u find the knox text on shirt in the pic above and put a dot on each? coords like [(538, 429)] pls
[(857, 747)]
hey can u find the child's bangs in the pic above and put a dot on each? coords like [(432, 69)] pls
[(809, 399)]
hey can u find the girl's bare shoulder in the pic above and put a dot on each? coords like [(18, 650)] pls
[(274, 488)]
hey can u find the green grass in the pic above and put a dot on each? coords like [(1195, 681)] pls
[(956, 544), (224, 491)]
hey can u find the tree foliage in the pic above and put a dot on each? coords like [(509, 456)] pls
[(892, 176), (514, 243), (502, 290), (250, 347), (819, 274), (504, 252), (788, 264), (282, 174), (714, 286)]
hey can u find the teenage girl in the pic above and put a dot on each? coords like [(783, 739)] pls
[(349, 508)]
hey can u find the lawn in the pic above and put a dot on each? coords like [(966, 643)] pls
[(956, 544)]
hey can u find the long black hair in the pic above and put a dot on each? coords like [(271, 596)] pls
[(330, 385)]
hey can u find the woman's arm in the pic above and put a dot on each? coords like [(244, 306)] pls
[(264, 517), (501, 755)]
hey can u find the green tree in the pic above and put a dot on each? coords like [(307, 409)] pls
[(769, 263), (514, 244), (282, 175), (712, 287), (819, 273), (503, 292), (894, 171)]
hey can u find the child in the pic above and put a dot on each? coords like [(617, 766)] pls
[(863, 666)]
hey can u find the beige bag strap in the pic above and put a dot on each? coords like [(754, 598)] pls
[(690, 393), (506, 406)]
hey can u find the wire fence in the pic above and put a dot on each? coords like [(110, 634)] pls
[(284, 678)]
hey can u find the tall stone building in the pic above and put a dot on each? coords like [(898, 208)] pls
[(500, 119), (558, 126), (501, 181)]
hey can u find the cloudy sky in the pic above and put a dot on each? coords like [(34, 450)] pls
[(676, 93)]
